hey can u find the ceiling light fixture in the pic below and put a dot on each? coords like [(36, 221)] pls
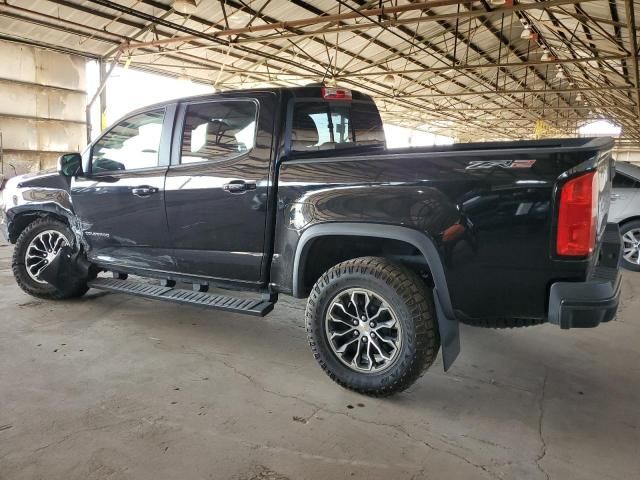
[(389, 79), (526, 33), (239, 19), (186, 7)]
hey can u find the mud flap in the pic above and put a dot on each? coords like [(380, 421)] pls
[(68, 271), (449, 334)]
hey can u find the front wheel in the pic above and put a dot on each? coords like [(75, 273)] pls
[(371, 326), (38, 244), (630, 233)]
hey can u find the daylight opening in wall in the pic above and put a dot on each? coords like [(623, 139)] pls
[(401, 137), (600, 128), (128, 89)]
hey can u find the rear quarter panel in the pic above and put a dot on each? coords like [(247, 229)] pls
[(492, 226)]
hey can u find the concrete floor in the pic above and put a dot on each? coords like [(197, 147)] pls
[(112, 386)]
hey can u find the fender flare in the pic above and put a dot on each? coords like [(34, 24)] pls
[(38, 210), (447, 322)]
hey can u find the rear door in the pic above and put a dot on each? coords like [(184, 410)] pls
[(120, 201), (217, 187)]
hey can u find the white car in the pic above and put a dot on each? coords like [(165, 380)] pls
[(625, 211)]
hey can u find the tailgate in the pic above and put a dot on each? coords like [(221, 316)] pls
[(605, 166)]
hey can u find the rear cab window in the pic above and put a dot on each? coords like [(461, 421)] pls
[(320, 124)]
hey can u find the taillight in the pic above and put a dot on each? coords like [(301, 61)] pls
[(329, 93), (577, 216)]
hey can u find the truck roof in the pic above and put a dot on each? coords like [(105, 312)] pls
[(306, 91)]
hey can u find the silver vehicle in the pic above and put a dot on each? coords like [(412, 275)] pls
[(625, 211)]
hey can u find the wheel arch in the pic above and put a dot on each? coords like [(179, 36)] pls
[(628, 220), (23, 217), (447, 322)]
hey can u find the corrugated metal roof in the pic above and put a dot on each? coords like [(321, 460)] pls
[(463, 68)]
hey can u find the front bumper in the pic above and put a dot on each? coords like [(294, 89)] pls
[(587, 304)]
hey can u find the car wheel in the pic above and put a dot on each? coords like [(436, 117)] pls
[(630, 233), (38, 244), (371, 326)]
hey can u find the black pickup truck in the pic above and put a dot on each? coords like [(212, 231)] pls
[(292, 191)]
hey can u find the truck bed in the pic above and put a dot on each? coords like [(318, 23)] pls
[(493, 225)]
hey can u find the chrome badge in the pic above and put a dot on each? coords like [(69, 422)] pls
[(483, 164)]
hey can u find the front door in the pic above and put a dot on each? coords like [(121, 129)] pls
[(217, 187), (120, 200)]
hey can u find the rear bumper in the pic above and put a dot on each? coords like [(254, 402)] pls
[(587, 304)]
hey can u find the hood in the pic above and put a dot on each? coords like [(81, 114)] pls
[(25, 177), (47, 179), (44, 178)]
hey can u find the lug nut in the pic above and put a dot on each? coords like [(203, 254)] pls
[(355, 334), (373, 335), (355, 323), (372, 324), (363, 318), (364, 339)]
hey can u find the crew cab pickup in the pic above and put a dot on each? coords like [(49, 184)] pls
[(293, 191)]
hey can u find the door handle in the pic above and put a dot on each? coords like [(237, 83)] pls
[(238, 186), (143, 191)]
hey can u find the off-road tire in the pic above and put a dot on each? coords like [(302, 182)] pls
[(412, 302), (25, 282)]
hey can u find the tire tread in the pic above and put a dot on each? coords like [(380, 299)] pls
[(17, 261), (413, 292)]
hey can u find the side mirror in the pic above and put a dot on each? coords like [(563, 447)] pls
[(69, 164)]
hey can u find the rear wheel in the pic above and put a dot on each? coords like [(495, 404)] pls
[(630, 233), (371, 326), (38, 244)]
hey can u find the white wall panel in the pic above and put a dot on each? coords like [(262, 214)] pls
[(42, 107)]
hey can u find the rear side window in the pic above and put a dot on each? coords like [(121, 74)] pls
[(331, 125), (218, 131), (623, 181)]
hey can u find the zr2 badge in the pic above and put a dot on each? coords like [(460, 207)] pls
[(483, 164)]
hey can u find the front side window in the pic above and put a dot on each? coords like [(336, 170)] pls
[(330, 125), (132, 144), (218, 131)]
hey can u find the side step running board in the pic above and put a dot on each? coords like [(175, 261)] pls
[(250, 306)]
